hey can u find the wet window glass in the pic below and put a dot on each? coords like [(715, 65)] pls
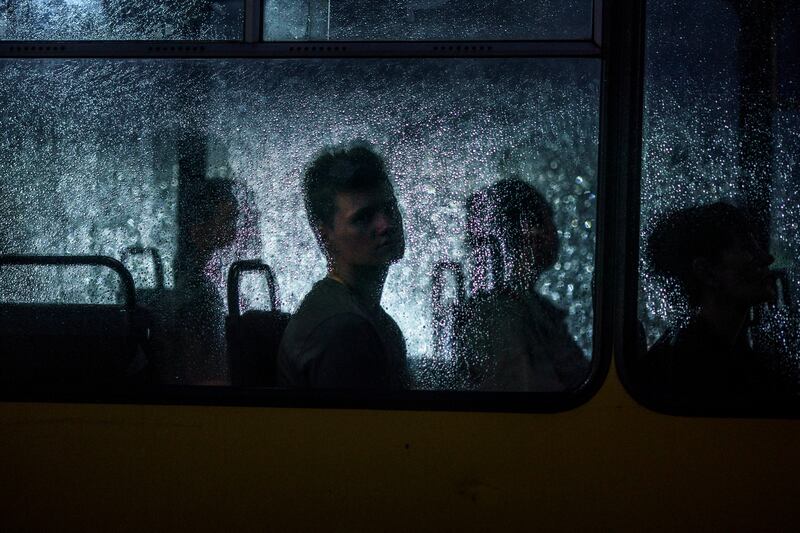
[(191, 174), (368, 20), (719, 214), (53, 20)]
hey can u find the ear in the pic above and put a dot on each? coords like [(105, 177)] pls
[(703, 270)]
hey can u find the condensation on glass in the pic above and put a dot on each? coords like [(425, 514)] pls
[(117, 157), (716, 129), (406, 20), (48, 20)]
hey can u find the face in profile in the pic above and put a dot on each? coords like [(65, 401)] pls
[(367, 228), (741, 274)]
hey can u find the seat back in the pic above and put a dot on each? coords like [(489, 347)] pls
[(253, 338), (72, 344), (159, 301), (450, 370)]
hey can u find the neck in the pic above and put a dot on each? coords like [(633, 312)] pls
[(365, 282), (726, 320)]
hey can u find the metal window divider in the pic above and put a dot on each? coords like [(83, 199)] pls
[(253, 20)]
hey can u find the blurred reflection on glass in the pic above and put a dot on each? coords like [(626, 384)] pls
[(720, 124), (199, 318), (510, 337)]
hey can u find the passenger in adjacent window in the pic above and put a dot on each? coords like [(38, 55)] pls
[(210, 225), (509, 337), (707, 361), (340, 336)]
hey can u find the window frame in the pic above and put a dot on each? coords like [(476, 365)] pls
[(626, 332), (617, 41)]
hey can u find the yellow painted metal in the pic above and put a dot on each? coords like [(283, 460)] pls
[(609, 465)]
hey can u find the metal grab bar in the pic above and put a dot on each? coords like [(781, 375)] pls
[(438, 278), (158, 264), (234, 275)]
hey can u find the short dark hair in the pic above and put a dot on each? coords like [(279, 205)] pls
[(680, 237), (497, 211), (336, 169)]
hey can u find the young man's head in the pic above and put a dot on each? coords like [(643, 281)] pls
[(516, 218), (352, 208), (710, 250)]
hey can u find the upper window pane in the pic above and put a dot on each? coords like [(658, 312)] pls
[(720, 275), (180, 168), (407, 20), (53, 20)]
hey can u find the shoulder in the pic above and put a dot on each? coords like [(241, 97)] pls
[(547, 307), (338, 338), (327, 294), (687, 355), (326, 300), (342, 327)]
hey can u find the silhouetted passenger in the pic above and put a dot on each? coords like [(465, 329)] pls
[(511, 338), (712, 254), (200, 312), (340, 335)]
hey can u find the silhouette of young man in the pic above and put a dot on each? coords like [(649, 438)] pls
[(340, 336)]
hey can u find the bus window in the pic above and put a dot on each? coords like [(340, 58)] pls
[(184, 168), (385, 20), (189, 164), (37, 20), (719, 279)]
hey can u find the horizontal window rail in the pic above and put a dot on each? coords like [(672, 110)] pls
[(289, 50)]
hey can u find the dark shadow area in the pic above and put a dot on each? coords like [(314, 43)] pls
[(718, 356), (206, 221), (715, 331)]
